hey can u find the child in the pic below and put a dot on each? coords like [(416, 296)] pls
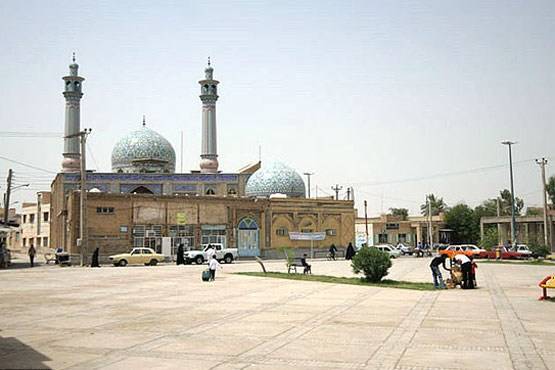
[(213, 265)]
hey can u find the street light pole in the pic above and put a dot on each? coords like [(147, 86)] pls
[(542, 164), (308, 174), (513, 222), (366, 220)]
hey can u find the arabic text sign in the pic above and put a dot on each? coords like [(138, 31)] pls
[(307, 236)]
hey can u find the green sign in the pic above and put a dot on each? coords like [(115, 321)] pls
[(180, 218)]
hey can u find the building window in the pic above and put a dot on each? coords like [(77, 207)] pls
[(331, 232), (306, 230), (282, 231), (231, 191), (105, 210), (213, 234), (31, 241), (45, 241), (392, 226), (24, 242), (24, 219), (382, 238), (402, 238), (32, 218), (210, 191), (38, 241), (45, 216)]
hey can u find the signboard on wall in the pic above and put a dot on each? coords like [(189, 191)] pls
[(180, 218), (307, 236)]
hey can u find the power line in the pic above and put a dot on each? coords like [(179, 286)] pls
[(30, 134), (26, 165)]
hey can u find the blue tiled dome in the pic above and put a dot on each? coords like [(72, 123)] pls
[(275, 178), (143, 151)]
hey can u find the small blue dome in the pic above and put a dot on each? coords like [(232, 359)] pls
[(275, 178), (143, 151)]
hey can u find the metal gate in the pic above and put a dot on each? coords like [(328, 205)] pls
[(247, 238)]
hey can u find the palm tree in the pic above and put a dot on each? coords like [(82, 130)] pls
[(438, 205)]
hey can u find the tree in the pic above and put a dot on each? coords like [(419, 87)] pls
[(488, 208), (401, 212), (551, 189), (438, 205), (506, 201), (490, 238), (464, 223)]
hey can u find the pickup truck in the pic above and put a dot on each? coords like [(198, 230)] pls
[(227, 255)]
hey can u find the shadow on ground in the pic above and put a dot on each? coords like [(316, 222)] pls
[(15, 354)]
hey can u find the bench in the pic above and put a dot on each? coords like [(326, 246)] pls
[(547, 283), (296, 262), (49, 257)]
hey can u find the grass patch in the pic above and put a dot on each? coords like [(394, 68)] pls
[(508, 262), (343, 280)]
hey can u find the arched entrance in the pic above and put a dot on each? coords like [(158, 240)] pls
[(247, 238), (141, 190)]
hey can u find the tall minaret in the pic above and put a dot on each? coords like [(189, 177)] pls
[(209, 96), (73, 94)]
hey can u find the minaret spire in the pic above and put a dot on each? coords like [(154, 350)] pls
[(144, 120), (72, 94), (209, 96)]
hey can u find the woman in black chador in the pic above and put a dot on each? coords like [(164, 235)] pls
[(94, 262), (179, 260), (350, 252)]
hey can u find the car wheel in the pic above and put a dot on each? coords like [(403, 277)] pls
[(153, 262), (228, 258), (122, 263), (199, 260)]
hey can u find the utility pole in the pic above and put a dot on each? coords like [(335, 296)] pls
[(83, 196), (366, 220), (8, 193), (430, 235), (513, 221), (542, 164), (308, 174), (336, 189)]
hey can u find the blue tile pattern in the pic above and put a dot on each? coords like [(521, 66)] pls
[(143, 150), (274, 178)]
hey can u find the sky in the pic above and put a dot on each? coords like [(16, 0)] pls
[(394, 98)]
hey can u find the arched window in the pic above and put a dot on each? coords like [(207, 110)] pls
[(141, 190), (247, 224), (231, 191), (210, 191)]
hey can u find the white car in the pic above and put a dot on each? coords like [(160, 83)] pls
[(389, 249), (472, 248), (523, 250)]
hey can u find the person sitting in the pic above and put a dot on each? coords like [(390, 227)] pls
[(307, 267)]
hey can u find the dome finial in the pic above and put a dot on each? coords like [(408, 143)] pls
[(208, 60), (73, 57), (144, 120)]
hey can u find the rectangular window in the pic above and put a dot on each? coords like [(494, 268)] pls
[(31, 241), (402, 238), (213, 234), (45, 241), (38, 241), (281, 232), (331, 232), (105, 210), (45, 216), (24, 242), (392, 226), (32, 218), (306, 230), (24, 219), (382, 238)]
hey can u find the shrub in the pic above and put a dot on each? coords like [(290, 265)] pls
[(490, 239), (289, 255), (539, 250), (372, 262)]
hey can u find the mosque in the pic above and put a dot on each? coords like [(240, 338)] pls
[(144, 202)]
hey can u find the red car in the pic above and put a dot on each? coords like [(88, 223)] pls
[(506, 254)]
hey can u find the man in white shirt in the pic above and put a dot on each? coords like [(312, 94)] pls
[(466, 268), (213, 264)]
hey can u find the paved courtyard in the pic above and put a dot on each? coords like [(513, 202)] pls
[(164, 317)]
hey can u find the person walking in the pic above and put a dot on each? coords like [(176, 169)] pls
[(94, 259), (180, 260), (332, 251), (350, 253), (436, 272), (466, 269), (210, 252), (31, 252), (213, 264)]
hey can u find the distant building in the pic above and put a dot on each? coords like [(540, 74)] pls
[(34, 228), (529, 229), (389, 229)]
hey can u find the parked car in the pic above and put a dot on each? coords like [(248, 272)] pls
[(227, 255), (405, 249), (389, 249), (475, 250), (138, 256), (452, 250), (505, 253), (524, 251)]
